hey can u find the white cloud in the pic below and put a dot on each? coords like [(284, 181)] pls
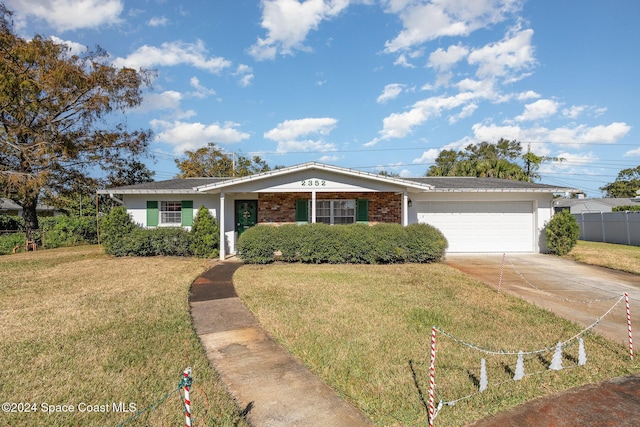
[(467, 111), (443, 60), (191, 136), (525, 96), (568, 135), (403, 62), (399, 125), (505, 58), (425, 21), (293, 135), (158, 21), (245, 75), (65, 15), (289, 21), (428, 156), (391, 91), (201, 91), (633, 153), (168, 100), (538, 110), (171, 54), (74, 48)]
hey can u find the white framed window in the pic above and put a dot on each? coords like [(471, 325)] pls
[(170, 213), (334, 211)]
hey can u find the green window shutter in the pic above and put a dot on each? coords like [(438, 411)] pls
[(362, 210), (186, 208), (302, 211), (152, 213)]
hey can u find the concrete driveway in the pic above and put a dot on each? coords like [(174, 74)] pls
[(577, 292)]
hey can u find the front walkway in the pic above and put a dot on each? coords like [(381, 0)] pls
[(267, 382)]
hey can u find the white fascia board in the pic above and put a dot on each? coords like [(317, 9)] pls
[(504, 190), (116, 191), (316, 166)]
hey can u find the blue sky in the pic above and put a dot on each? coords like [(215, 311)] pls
[(373, 84)]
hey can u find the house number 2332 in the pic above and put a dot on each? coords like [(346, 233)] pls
[(314, 183)]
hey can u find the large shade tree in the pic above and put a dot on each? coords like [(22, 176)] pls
[(57, 117), (211, 161), (627, 184), (501, 160)]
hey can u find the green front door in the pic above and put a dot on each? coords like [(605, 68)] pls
[(246, 215)]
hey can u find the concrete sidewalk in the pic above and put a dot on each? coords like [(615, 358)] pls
[(269, 385)]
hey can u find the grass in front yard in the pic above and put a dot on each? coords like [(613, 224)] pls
[(365, 330), (618, 257), (79, 327)]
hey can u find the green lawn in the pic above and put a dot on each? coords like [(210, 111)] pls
[(81, 328), (618, 257), (365, 330)]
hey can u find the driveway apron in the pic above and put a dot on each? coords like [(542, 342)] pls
[(269, 385), (577, 292)]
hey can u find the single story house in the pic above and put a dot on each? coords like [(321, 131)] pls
[(584, 205), (9, 207), (474, 214)]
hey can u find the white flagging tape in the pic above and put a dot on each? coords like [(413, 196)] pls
[(626, 300), (544, 350), (432, 380)]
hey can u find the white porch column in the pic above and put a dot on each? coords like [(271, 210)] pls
[(221, 218), (405, 209), (313, 207)]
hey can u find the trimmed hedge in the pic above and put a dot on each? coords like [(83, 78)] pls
[(354, 244)]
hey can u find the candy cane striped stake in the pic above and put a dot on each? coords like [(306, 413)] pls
[(187, 399), (626, 300), (432, 375), (501, 270)]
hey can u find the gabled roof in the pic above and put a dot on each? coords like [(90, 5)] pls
[(426, 184), (315, 166)]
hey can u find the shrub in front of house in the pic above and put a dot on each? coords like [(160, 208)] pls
[(122, 237), (205, 234), (63, 230), (354, 243), (257, 245), (562, 233), (424, 243)]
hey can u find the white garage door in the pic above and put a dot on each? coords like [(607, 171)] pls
[(482, 226)]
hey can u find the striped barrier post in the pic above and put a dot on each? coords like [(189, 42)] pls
[(432, 375), (187, 398), (626, 300), (501, 270)]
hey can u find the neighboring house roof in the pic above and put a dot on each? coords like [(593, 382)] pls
[(427, 184), (10, 205), (593, 204)]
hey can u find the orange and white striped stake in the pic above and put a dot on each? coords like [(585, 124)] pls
[(187, 398), (432, 375), (626, 300)]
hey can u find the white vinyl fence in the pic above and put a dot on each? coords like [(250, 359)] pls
[(610, 227)]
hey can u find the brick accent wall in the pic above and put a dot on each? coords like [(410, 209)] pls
[(280, 208)]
